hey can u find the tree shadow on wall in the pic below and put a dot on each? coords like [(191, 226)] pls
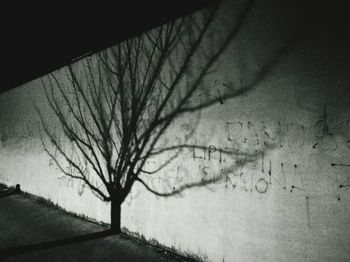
[(114, 108)]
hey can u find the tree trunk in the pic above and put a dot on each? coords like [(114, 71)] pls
[(115, 216)]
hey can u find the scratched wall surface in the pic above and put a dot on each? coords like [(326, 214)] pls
[(289, 202)]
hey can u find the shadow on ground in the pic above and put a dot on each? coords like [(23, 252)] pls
[(18, 250), (31, 230)]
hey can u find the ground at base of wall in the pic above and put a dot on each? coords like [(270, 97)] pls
[(35, 230)]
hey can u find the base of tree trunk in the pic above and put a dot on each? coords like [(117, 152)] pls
[(115, 217), (115, 230)]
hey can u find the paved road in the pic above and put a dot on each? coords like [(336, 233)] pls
[(33, 231)]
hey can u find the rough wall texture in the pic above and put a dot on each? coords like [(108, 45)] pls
[(290, 204)]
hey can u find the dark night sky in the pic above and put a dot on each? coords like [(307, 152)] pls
[(39, 39)]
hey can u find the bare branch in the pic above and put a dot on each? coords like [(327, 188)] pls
[(182, 188)]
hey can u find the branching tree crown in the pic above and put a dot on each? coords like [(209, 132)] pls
[(103, 104)]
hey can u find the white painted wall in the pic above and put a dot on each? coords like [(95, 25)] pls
[(230, 220)]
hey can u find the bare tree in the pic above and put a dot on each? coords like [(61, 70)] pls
[(103, 105)]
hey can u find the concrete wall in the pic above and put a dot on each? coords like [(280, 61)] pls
[(290, 204)]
